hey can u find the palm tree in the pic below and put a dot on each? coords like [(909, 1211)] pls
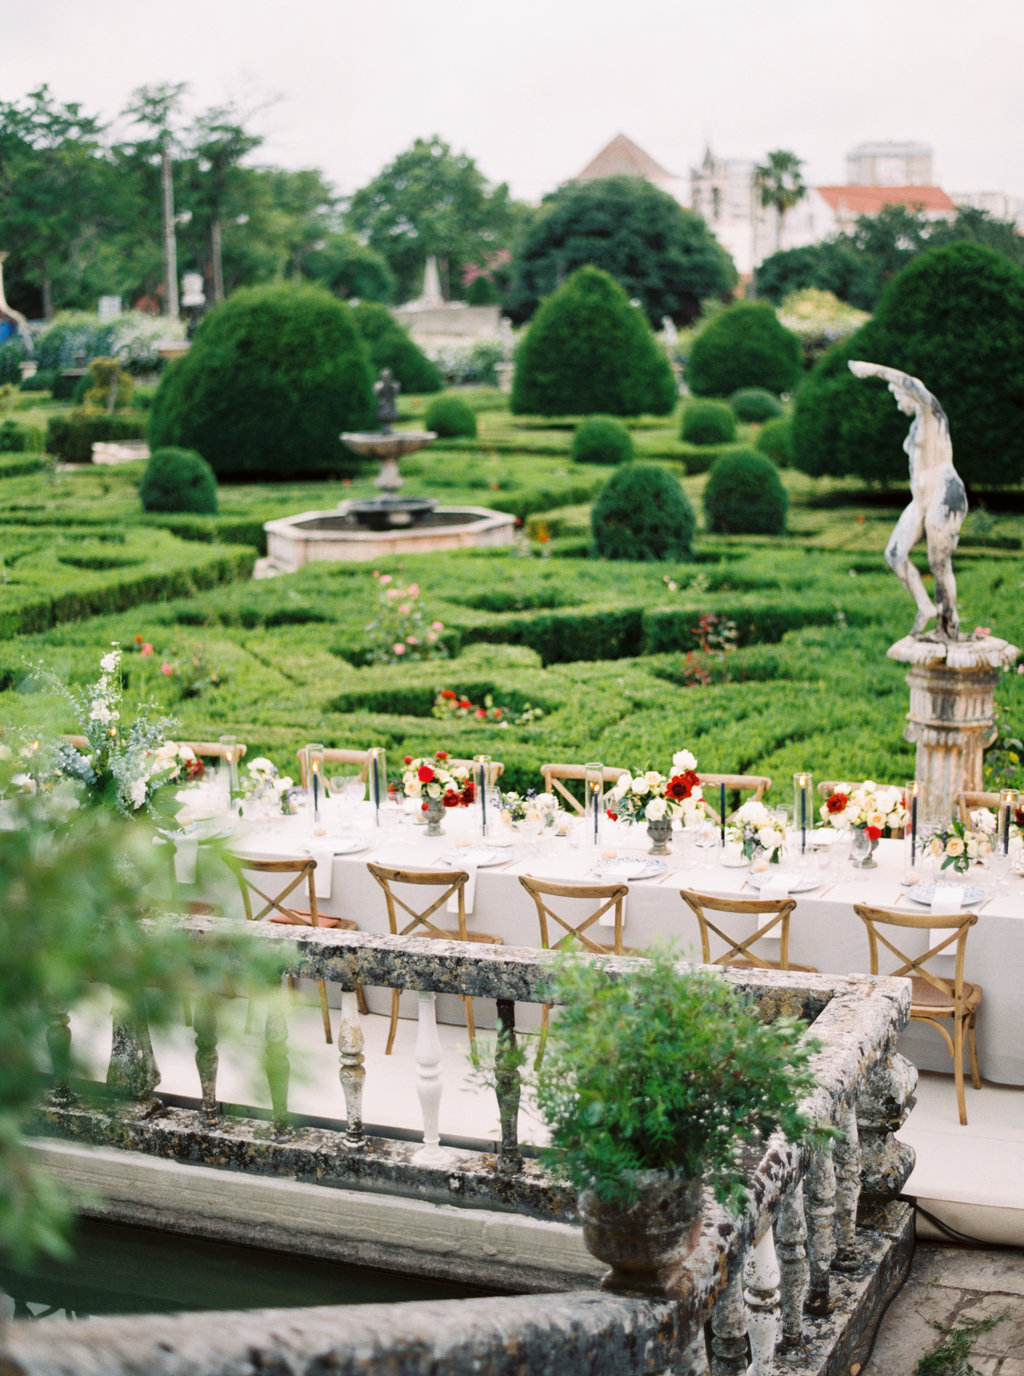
[(780, 184)]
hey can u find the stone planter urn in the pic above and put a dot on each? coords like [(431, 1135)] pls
[(645, 1242), (434, 809), (660, 833)]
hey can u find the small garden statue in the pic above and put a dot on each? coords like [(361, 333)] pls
[(938, 502), (387, 389)]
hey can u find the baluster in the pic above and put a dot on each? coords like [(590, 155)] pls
[(58, 1039), (820, 1208), (847, 1155), (132, 1072), (729, 1331), (881, 1111), (428, 1081), (791, 1239), (510, 1158), (692, 1360), (275, 1063), (351, 1071), (204, 1023), (761, 1293)]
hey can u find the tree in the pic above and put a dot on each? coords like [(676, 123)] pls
[(954, 318), (743, 346), (834, 265), (780, 184), (430, 200), (348, 268), (664, 256)]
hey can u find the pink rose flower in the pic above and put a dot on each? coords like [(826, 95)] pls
[(398, 648), (166, 669)]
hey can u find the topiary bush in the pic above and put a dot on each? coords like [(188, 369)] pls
[(602, 439), (642, 513), (744, 495), (708, 422), (179, 480), (743, 346), (450, 418), (776, 441), (20, 439), (589, 351), (754, 405), (391, 346), (273, 377)]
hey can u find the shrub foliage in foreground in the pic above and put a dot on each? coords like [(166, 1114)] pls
[(602, 439), (744, 495), (179, 480), (273, 377), (450, 418), (391, 346), (642, 513), (708, 422), (743, 346), (589, 351)]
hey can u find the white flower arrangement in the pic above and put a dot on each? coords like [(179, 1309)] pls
[(535, 808), (869, 805), (755, 828), (651, 796), (433, 779), (263, 783)]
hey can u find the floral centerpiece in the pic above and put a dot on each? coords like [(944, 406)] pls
[(870, 807), (432, 780), (652, 797), (264, 785), (958, 846), (757, 831), (540, 809)]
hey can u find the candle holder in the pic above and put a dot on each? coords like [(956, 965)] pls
[(377, 775), (593, 786), (315, 777), (1007, 809), (482, 784), (230, 765), (803, 808), (913, 834)]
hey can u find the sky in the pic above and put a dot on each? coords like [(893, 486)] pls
[(533, 89)]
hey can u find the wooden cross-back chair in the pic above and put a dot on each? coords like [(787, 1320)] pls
[(284, 878), (757, 785), (933, 996), (556, 929), (333, 755), (451, 883), (740, 949), (555, 777), (214, 750), (967, 801)]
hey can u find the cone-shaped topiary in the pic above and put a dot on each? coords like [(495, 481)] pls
[(642, 513), (393, 347), (744, 495), (450, 418), (708, 422), (602, 439), (754, 405), (273, 377), (743, 346), (179, 480), (588, 350)]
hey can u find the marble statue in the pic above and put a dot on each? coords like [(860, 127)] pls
[(938, 503)]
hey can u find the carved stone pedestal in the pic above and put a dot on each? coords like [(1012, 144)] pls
[(952, 713)]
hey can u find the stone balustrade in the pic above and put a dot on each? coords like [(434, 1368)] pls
[(791, 1284)]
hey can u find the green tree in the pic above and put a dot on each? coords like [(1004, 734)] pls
[(834, 265), (743, 346), (954, 318), (348, 268), (430, 200), (780, 184), (664, 256)]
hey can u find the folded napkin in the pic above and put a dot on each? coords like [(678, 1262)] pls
[(573, 864), (324, 857), (947, 898), (776, 887), (469, 891)]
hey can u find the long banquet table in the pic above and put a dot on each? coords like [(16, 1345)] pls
[(825, 932)]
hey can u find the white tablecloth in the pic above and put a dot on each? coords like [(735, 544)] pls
[(824, 930)]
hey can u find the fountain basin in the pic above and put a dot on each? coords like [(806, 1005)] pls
[(294, 541), (387, 444)]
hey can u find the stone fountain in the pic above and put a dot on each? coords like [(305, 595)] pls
[(390, 523)]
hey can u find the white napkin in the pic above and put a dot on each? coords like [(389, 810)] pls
[(186, 853), (573, 864), (469, 891), (776, 887), (947, 898), (324, 857)]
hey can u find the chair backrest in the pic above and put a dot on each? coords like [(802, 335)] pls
[(214, 750), (333, 756), (448, 881), (601, 897), (555, 774), (880, 921), (776, 910), (967, 802), (292, 874), (757, 785)]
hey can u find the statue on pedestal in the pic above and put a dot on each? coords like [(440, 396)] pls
[(938, 503)]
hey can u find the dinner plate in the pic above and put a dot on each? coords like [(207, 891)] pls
[(796, 880), (201, 831), (924, 893), (629, 867), (481, 856), (348, 845)]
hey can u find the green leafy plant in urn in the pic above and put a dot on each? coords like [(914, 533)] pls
[(649, 1082)]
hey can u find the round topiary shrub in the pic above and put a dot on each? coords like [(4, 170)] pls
[(744, 495), (754, 405), (179, 480), (602, 439), (589, 351), (393, 347), (743, 346), (642, 513), (708, 422), (450, 418), (273, 377), (776, 440)]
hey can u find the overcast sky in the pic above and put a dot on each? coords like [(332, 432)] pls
[(532, 89)]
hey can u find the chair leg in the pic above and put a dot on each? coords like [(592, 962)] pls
[(544, 1011), (470, 1024), (361, 1000), (972, 1046), (394, 1022), (325, 1011), (959, 1029)]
